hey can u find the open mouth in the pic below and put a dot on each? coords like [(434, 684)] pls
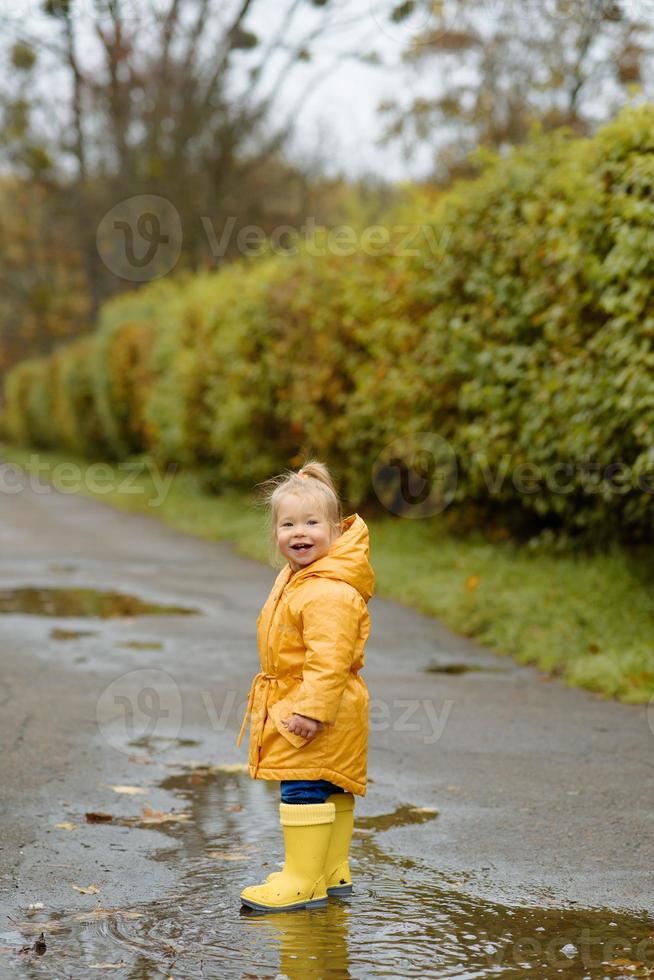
[(302, 547)]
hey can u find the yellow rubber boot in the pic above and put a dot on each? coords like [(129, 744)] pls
[(337, 869), (301, 883)]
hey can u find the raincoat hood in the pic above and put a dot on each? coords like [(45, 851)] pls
[(348, 559)]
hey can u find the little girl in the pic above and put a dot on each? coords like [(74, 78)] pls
[(308, 706)]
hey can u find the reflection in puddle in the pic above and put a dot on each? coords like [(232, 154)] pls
[(150, 742), (403, 920), (59, 634), (81, 602), (463, 669), (309, 946), (142, 645)]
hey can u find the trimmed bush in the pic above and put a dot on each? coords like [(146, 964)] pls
[(17, 418), (518, 327), (543, 315), (75, 413), (122, 366)]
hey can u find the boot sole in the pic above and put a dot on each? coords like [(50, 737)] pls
[(315, 903), (340, 890)]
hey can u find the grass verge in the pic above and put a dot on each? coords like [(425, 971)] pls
[(586, 619)]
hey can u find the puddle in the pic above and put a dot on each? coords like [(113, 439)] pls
[(150, 742), (81, 603), (463, 669), (404, 919), (400, 818), (59, 634)]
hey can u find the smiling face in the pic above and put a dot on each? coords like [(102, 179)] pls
[(303, 532)]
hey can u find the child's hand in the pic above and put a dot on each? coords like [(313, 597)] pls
[(301, 725)]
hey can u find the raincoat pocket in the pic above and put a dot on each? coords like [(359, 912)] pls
[(282, 710)]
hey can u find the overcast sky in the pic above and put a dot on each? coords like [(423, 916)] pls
[(339, 125), (340, 121)]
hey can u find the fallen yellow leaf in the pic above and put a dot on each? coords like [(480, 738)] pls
[(89, 890), (158, 816), (472, 582), (227, 856), (107, 966), (230, 767), (131, 790), (50, 926), (96, 816), (67, 825)]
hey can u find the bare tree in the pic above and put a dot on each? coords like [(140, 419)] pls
[(498, 66), (181, 101)]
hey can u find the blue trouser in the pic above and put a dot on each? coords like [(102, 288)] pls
[(307, 790)]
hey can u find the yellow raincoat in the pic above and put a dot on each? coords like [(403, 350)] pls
[(311, 635)]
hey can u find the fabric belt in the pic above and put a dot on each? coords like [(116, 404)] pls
[(268, 679), (261, 676)]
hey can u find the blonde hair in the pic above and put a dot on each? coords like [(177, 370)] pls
[(313, 479)]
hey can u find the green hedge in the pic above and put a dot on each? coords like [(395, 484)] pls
[(518, 326), (542, 313)]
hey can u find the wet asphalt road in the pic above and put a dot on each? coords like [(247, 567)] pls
[(545, 794)]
